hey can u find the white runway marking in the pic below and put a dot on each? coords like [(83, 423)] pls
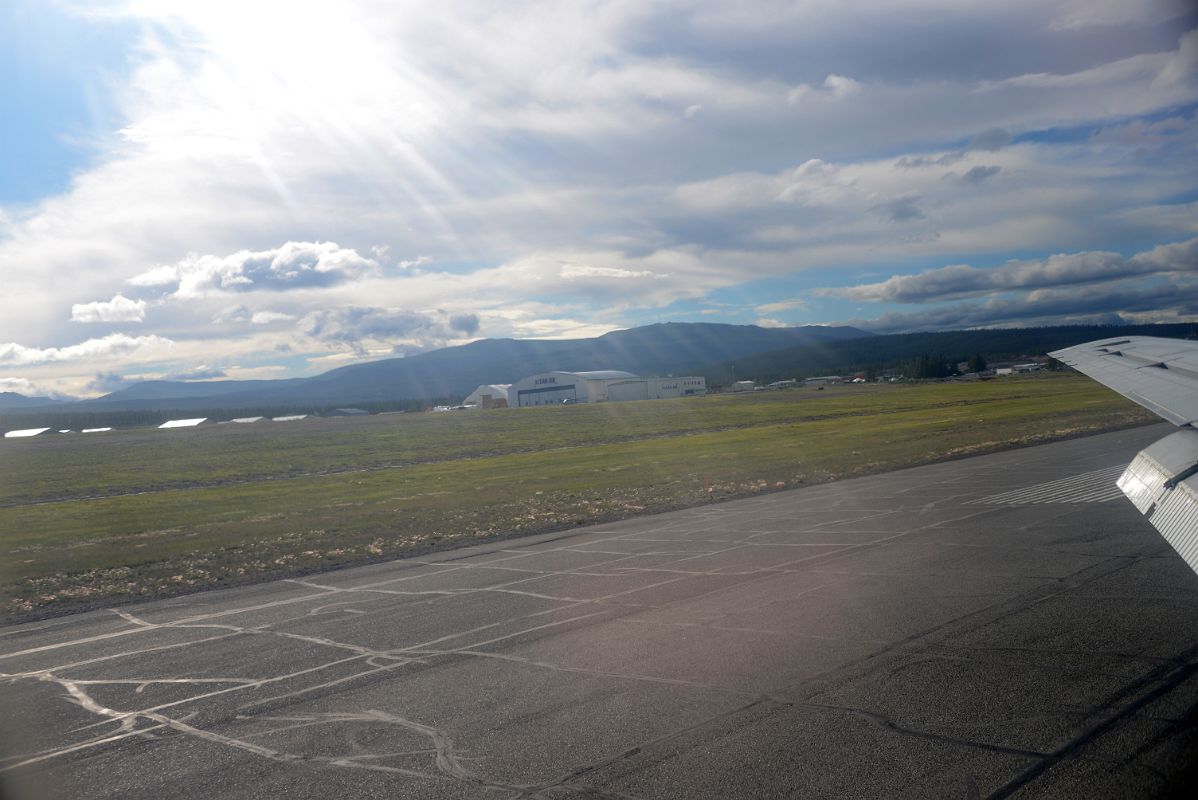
[(1089, 487)]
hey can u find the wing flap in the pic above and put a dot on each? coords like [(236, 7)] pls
[(1162, 482), (1162, 376)]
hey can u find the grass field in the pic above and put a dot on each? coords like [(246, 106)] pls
[(109, 517)]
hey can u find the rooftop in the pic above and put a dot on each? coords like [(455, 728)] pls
[(604, 374)]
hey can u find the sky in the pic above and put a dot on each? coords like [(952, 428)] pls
[(258, 189)]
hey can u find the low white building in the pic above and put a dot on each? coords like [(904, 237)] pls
[(488, 395), (556, 388), (182, 423), (743, 386), (25, 433)]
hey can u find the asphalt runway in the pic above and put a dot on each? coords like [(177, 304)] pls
[(1000, 626)]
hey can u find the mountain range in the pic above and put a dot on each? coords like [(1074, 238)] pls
[(721, 353), (17, 400), (661, 349)]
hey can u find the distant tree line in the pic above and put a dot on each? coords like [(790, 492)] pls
[(912, 354), (927, 366)]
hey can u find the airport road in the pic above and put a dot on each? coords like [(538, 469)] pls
[(1003, 626)]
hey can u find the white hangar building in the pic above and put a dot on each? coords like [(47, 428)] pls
[(554, 388), (488, 395)]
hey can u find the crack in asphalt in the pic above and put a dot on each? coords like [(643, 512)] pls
[(721, 571), (447, 760)]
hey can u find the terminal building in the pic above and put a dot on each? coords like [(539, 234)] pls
[(555, 388)]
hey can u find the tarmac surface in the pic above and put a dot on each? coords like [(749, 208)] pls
[(1000, 626)]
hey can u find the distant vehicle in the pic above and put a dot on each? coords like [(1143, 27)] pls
[(1161, 375), (568, 401)]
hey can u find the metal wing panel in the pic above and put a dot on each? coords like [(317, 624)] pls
[(1177, 520), (1162, 482), (1162, 376), (1159, 374)]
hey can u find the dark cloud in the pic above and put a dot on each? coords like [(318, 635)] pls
[(960, 280), (107, 382), (197, 374), (915, 162), (352, 325), (979, 174), (466, 323), (1050, 306), (239, 313), (990, 139), (897, 44), (1149, 134), (358, 322), (900, 209)]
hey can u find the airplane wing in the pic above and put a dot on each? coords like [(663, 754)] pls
[(1162, 376)]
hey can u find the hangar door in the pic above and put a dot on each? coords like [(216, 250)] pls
[(628, 390), (548, 395)]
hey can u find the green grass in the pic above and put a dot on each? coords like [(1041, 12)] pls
[(171, 511)]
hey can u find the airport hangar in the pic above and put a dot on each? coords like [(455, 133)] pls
[(488, 395), (554, 388)]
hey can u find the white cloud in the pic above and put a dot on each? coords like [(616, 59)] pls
[(834, 86), (501, 143), (1182, 66), (165, 275), (118, 309), (563, 328), (23, 386), (841, 86), (111, 346), (1145, 69), (413, 263), (292, 265), (267, 317), (793, 304), (572, 271)]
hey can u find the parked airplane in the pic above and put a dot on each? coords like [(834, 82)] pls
[(1162, 376)]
